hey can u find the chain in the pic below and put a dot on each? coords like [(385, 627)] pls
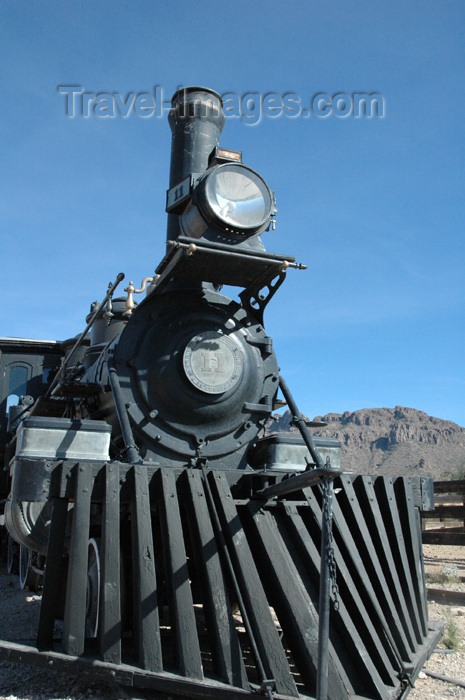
[(327, 513)]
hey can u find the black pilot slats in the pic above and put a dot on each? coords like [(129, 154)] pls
[(110, 604), (264, 629), (53, 574), (348, 648), (183, 623), (291, 601), (394, 529), (410, 519), (145, 592), (228, 661), (225, 591), (357, 538), (384, 542), (75, 604), (358, 627)]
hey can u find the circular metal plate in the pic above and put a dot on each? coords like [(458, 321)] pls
[(212, 362)]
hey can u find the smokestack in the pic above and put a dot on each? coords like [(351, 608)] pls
[(196, 119)]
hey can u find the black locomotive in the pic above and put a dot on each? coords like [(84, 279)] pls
[(182, 547)]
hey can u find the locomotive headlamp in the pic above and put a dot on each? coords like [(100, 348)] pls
[(231, 199), (237, 197)]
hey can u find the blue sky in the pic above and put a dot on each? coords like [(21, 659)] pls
[(373, 206)]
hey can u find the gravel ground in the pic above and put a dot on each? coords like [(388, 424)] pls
[(444, 563), (20, 609), (18, 622)]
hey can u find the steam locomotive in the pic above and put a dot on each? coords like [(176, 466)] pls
[(184, 549)]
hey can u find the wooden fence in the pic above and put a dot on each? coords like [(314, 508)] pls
[(449, 504)]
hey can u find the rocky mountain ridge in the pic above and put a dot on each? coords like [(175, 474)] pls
[(391, 441)]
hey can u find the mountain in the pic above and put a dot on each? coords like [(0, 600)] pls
[(393, 441)]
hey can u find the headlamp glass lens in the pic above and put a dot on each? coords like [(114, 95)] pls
[(238, 197)]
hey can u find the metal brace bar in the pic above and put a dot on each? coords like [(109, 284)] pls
[(324, 597), (111, 289), (121, 412), (301, 481), (301, 424)]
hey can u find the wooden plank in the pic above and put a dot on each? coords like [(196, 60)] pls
[(443, 537), (75, 605), (357, 540), (291, 601), (361, 643), (457, 486), (270, 649), (224, 640), (381, 535), (110, 595), (182, 606), (53, 577), (145, 596), (396, 514), (452, 512), (411, 552)]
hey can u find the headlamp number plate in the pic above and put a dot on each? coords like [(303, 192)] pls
[(212, 362), (177, 195)]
